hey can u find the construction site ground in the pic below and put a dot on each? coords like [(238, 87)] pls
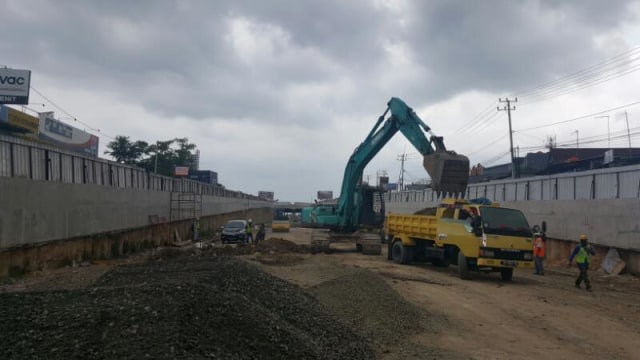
[(383, 310)]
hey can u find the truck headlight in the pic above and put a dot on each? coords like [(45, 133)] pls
[(527, 256), (487, 253)]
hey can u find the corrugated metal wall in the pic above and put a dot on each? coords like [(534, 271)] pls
[(611, 183), (23, 158)]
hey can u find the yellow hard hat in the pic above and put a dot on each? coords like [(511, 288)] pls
[(583, 237)]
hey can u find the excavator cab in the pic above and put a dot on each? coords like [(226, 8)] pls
[(449, 171)]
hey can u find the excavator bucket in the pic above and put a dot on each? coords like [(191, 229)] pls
[(449, 171)]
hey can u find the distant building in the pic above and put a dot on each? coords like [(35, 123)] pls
[(557, 160), (416, 187), (204, 176)]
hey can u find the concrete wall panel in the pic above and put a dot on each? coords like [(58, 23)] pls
[(32, 212)]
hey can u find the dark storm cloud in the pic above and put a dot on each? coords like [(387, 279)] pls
[(175, 57), (179, 62), (505, 46)]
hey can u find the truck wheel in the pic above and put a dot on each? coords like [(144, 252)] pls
[(506, 274), (401, 254), (463, 266)]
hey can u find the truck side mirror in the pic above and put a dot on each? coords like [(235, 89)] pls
[(544, 226), (476, 224)]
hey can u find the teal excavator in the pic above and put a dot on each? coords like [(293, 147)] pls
[(359, 211)]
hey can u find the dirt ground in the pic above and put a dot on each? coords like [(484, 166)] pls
[(531, 317), (423, 312)]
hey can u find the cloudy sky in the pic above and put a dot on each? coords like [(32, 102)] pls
[(277, 94)]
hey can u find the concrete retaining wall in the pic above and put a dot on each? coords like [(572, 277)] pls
[(33, 212), (106, 245)]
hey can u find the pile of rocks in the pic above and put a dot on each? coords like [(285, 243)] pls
[(205, 307)]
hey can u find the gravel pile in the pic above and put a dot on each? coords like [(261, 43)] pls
[(186, 308), (363, 300)]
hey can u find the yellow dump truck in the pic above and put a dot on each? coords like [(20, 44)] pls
[(480, 236)]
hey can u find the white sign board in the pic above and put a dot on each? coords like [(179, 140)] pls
[(14, 86)]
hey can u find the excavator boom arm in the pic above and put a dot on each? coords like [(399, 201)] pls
[(449, 172)]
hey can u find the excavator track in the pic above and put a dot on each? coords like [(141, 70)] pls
[(320, 240), (370, 243)]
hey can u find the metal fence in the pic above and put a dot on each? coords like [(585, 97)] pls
[(32, 160), (610, 183)]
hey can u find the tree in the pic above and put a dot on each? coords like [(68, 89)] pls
[(184, 153), (161, 157), (124, 151)]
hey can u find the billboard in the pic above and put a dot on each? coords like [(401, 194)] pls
[(266, 195), (392, 187), (18, 120), (66, 136), (14, 86), (181, 171), (325, 195)]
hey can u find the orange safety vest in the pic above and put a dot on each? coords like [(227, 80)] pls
[(538, 247)]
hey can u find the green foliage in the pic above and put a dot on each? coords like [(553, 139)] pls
[(161, 157)]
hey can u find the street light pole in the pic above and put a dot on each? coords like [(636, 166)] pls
[(155, 167), (628, 133), (608, 129), (577, 145)]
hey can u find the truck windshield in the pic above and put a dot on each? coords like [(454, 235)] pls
[(501, 221)]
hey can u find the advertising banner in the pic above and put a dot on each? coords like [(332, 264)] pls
[(22, 120), (266, 195), (66, 136), (14, 86), (181, 171), (325, 195)]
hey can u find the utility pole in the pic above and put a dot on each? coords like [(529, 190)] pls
[(628, 133), (508, 109), (402, 158)]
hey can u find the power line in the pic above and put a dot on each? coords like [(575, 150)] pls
[(478, 116), (578, 80), (71, 116), (489, 144), (571, 78), (618, 135), (595, 81), (581, 117)]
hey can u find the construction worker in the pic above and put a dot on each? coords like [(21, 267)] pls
[(581, 253), (538, 250), (249, 231), (261, 233)]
